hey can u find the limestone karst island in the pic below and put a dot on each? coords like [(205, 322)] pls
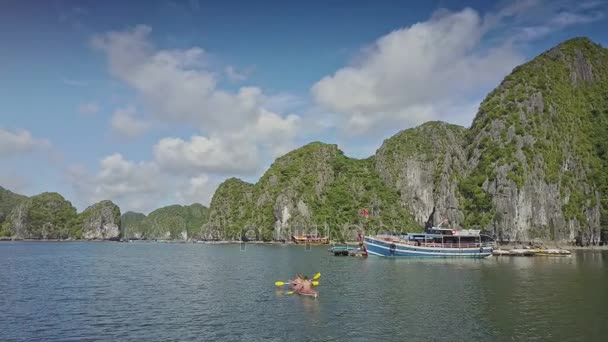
[(268, 171)]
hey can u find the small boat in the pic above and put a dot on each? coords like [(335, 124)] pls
[(435, 242), (314, 239), (310, 293)]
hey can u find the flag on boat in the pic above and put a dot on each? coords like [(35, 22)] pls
[(364, 213)]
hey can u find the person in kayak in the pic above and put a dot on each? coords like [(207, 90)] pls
[(302, 284)]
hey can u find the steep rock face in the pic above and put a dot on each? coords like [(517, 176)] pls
[(101, 221), (175, 222), (536, 150), (131, 223), (315, 188), (289, 186), (230, 211), (44, 216), (423, 163), (8, 201)]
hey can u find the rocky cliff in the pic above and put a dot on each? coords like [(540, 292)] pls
[(44, 216), (8, 201), (172, 222), (100, 221), (311, 189), (423, 164), (537, 151), (533, 165)]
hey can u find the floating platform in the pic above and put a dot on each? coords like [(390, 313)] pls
[(347, 251), (529, 252)]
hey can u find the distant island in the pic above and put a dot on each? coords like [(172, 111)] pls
[(532, 166)]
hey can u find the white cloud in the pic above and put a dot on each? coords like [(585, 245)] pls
[(126, 124), (547, 17), (132, 185), (88, 109), (416, 74), (175, 83), (234, 152), (234, 75), (137, 186), (20, 141), (236, 128), (197, 189), (200, 153)]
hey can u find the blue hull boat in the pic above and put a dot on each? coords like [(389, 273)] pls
[(437, 242)]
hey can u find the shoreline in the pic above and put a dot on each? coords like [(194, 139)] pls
[(290, 243)]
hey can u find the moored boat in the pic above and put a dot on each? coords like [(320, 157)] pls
[(310, 239), (435, 242)]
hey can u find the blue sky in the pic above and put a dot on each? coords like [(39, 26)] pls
[(157, 102)]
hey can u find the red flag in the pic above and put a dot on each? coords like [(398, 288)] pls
[(364, 212)]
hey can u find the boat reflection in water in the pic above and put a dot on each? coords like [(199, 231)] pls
[(435, 242)]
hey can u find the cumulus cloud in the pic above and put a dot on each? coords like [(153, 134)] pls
[(542, 18), (200, 153), (558, 22), (235, 75), (198, 189), (138, 186), (125, 123), (236, 152), (134, 185), (177, 85), (416, 74), (88, 109), (19, 141)]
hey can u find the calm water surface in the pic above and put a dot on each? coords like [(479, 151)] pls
[(192, 292)]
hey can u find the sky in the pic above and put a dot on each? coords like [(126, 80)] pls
[(151, 103)]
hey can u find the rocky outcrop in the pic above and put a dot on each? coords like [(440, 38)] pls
[(174, 222), (422, 164), (101, 221), (131, 223), (313, 189), (533, 165), (44, 216), (8, 201), (534, 169)]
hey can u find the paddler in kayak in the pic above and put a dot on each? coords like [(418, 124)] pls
[(302, 285)]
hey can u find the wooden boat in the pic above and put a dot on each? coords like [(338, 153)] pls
[(435, 242), (314, 239)]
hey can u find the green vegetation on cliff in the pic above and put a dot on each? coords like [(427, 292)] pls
[(533, 165), (308, 189), (44, 216), (544, 129), (100, 221), (171, 222), (8, 201)]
